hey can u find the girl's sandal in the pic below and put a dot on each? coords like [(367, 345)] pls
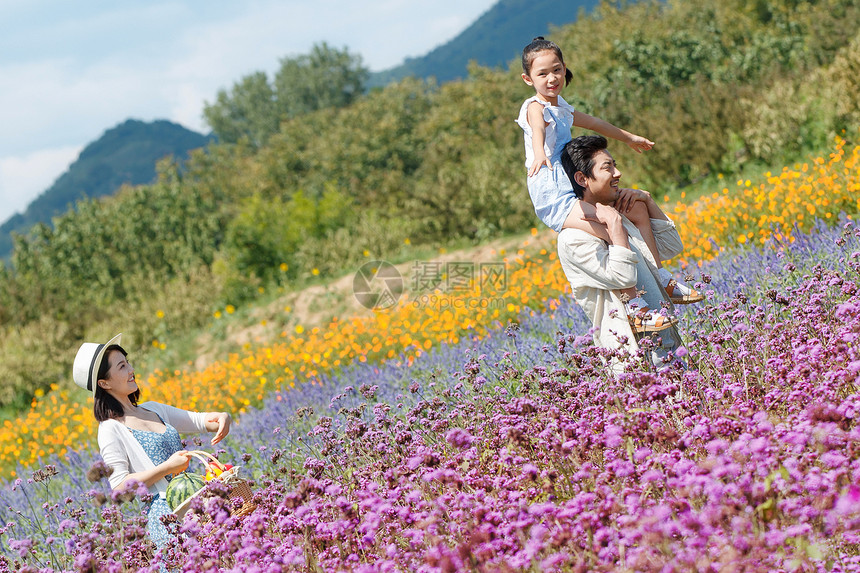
[(677, 296), (644, 322)]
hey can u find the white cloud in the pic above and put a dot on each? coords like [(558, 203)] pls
[(22, 179), (215, 54)]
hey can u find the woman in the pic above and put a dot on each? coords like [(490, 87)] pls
[(139, 441)]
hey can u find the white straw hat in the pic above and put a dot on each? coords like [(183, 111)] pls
[(86, 369)]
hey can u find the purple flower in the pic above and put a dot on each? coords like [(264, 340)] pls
[(530, 471), (460, 438), (849, 501)]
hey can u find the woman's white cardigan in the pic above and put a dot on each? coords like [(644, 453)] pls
[(121, 451)]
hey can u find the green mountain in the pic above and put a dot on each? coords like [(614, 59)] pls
[(124, 154), (495, 39)]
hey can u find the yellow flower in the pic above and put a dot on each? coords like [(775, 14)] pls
[(159, 313)]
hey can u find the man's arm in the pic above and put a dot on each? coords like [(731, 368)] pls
[(610, 217), (589, 262)]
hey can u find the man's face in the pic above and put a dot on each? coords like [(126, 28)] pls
[(603, 184)]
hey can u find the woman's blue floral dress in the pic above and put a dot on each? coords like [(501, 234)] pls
[(158, 447)]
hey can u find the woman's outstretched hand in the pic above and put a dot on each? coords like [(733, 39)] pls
[(218, 422)]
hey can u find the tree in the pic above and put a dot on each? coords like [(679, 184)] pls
[(255, 107), (249, 110), (325, 78)]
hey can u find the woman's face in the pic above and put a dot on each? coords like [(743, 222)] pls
[(120, 376)]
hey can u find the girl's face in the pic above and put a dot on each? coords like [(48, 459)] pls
[(546, 75), (120, 377)]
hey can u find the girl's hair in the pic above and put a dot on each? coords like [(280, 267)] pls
[(107, 407), (538, 45)]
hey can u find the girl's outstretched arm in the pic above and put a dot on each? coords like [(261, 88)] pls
[(606, 129), (534, 115)]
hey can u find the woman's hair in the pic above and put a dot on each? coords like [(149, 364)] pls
[(578, 155), (538, 45), (107, 407)]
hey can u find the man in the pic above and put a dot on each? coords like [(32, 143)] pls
[(598, 270)]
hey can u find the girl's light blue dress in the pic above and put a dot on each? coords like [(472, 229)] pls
[(158, 447), (550, 189)]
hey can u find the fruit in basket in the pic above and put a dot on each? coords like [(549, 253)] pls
[(181, 487), (213, 471)]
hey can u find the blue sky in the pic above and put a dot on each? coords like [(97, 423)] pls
[(71, 70)]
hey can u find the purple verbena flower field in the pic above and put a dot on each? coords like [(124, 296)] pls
[(518, 451)]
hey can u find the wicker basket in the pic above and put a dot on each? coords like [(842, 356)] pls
[(239, 486)]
